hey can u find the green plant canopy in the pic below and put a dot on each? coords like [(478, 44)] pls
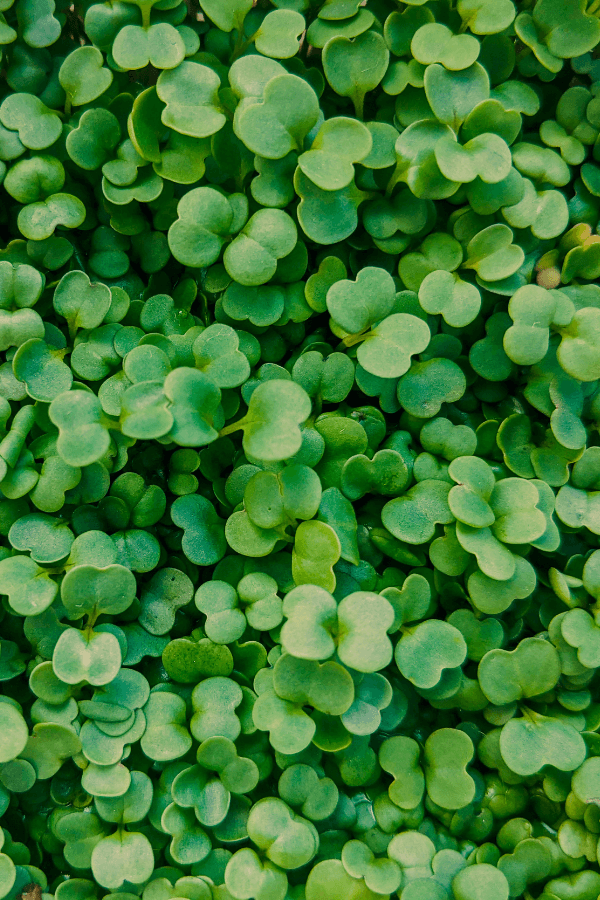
[(300, 450)]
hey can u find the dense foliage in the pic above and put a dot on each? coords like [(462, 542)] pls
[(299, 451)]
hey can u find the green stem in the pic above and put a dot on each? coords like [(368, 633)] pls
[(205, 310), (68, 105), (230, 429), (281, 531), (109, 424), (146, 9), (359, 106), (91, 621), (241, 45), (397, 175), (78, 257), (593, 8), (353, 339), (527, 713)]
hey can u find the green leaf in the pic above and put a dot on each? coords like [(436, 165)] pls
[(83, 76), (435, 43), (49, 746), (14, 732), (83, 437), (207, 218), (89, 656), (387, 349), (252, 256), (530, 743), (97, 134), (568, 31), (532, 668), (42, 369), (479, 881), (93, 590), (578, 351), (355, 67), (38, 221), (445, 292), (327, 216), (37, 126), (492, 254), (317, 549), (190, 93), (279, 33), (194, 407), (227, 14), (124, 857), (425, 651), (161, 46), (545, 212), (277, 120), (416, 162), (485, 17), (204, 538), (270, 426), (81, 303), (338, 144), (485, 156), (29, 588), (453, 95), (38, 25), (330, 875), (34, 179), (447, 753)]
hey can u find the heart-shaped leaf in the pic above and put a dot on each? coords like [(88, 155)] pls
[(83, 76)]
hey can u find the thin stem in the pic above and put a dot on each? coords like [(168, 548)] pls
[(359, 106), (229, 429), (68, 105), (527, 713), (241, 45), (397, 175), (205, 310), (353, 339), (91, 621), (146, 9), (281, 531), (110, 424)]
